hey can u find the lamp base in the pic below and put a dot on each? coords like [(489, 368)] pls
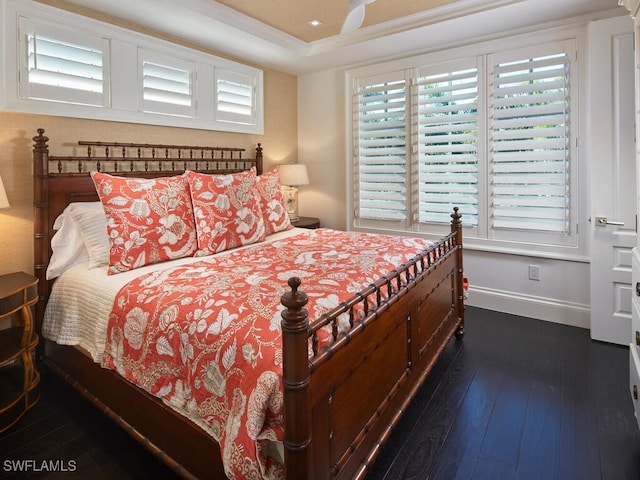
[(291, 200)]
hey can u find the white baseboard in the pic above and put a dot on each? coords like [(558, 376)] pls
[(549, 309)]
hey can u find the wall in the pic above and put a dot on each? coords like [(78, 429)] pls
[(499, 281), (16, 131), (321, 146)]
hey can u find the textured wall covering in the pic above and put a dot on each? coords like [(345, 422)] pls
[(16, 131)]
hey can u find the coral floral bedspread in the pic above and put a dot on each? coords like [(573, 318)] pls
[(205, 338)]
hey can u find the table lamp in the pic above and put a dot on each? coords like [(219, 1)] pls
[(292, 175), (4, 201)]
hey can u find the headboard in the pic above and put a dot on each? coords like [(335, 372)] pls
[(60, 180)]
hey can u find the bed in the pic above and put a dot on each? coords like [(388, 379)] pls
[(385, 337)]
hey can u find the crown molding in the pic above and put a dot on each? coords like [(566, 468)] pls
[(221, 30), (422, 19), (632, 5)]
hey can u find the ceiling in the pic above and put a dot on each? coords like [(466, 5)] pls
[(275, 33), (292, 16)]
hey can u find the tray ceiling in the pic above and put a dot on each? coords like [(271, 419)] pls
[(292, 17)]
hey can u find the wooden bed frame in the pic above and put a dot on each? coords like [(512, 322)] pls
[(332, 430)]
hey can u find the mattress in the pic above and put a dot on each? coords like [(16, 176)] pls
[(81, 300)]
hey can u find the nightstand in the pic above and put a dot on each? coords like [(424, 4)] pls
[(307, 222), (18, 376)]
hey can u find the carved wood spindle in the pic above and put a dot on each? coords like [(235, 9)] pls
[(351, 317), (259, 158), (107, 154), (131, 161), (334, 329), (146, 163), (98, 163)]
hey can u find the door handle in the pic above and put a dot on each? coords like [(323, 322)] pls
[(603, 221)]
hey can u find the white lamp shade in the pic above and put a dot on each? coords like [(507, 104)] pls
[(4, 201), (293, 174)]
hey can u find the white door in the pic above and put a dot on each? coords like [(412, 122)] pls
[(613, 180)]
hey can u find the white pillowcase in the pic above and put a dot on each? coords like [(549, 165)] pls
[(92, 222), (81, 235), (67, 246)]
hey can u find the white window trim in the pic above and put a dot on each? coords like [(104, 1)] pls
[(42, 29), (166, 62), (480, 239), (226, 110), (122, 93)]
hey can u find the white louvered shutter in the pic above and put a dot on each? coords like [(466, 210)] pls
[(167, 84), (380, 148), (61, 67), (236, 96), (447, 135), (530, 140)]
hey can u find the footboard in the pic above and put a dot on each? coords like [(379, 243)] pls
[(342, 403)]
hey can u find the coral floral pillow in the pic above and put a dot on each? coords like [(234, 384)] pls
[(274, 212), (226, 209), (148, 220)]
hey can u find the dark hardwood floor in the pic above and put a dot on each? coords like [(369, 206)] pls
[(516, 399)]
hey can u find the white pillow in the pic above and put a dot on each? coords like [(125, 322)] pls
[(81, 235), (67, 246), (92, 223)]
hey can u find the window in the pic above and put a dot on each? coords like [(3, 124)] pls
[(167, 84), (529, 145), (492, 135), (447, 143), (61, 67), (381, 172), (236, 100), (74, 66)]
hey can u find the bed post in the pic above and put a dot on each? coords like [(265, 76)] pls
[(295, 380), (456, 227), (41, 220), (259, 163)]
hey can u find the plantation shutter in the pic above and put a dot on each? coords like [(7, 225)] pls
[(167, 84), (529, 141), (380, 148), (448, 145), (55, 67), (236, 97)]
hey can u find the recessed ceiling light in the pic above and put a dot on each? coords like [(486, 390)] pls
[(315, 22)]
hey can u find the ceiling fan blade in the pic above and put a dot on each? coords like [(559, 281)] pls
[(354, 19), (355, 16), (357, 3)]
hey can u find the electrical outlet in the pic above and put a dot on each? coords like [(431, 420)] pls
[(534, 272)]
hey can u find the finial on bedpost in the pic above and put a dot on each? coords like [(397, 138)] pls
[(456, 217), (40, 141), (295, 380), (259, 158)]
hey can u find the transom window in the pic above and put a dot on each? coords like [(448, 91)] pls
[(75, 66)]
